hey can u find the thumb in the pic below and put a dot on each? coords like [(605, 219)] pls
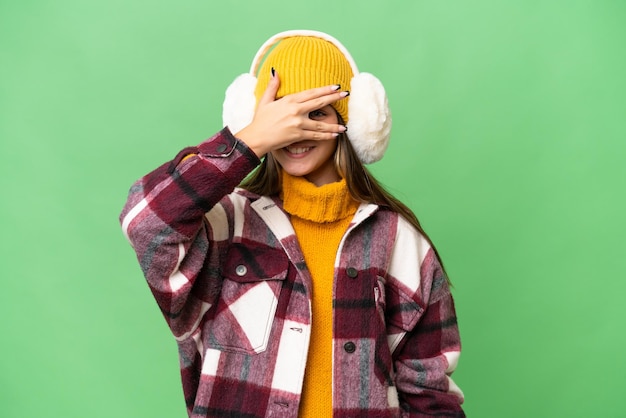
[(272, 88)]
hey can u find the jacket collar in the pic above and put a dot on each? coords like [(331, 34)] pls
[(270, 210)]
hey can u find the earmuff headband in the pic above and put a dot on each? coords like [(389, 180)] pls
[(258, 58)]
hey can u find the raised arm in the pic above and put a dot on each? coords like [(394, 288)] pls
[(164, 219)]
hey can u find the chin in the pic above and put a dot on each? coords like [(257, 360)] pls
[(297, 172)]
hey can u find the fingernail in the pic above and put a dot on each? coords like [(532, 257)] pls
[(273, 72), (336, 87), (344, 93), (345, 127)]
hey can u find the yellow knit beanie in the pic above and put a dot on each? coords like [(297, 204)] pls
[(305, 62)]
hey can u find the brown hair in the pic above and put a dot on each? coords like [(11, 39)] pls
[(362, 186)]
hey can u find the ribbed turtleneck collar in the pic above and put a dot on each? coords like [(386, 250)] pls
[(328, 203)]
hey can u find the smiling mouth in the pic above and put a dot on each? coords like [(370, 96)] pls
[(297, 150)]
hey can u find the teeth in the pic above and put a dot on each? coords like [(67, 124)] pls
[(298, 150)]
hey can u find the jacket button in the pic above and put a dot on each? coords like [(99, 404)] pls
[(350, 347), (241, 270), (352, 272), (221, 148)]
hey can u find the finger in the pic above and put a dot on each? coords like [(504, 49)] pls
[(317, 136), (315, 93), (317, 126), (269, 95), (322, 101)]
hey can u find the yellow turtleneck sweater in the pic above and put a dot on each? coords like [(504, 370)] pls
[(320, 216)]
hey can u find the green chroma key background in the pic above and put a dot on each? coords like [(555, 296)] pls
[(508, 141)]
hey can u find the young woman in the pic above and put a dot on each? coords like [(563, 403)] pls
[(294, 284)]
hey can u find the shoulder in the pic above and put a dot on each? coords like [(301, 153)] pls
[(239, 198), (406, 237), (407, 233)]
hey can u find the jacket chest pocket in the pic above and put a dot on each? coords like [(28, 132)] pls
[(253, 276)]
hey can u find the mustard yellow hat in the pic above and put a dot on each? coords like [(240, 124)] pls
[(305, 62)]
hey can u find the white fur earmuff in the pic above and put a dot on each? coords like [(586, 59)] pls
[(239, 103), (369, 117)]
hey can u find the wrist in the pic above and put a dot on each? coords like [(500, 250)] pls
[(248, 137)]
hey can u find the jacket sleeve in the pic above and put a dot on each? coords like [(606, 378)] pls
[(164, 220), (429, 344)]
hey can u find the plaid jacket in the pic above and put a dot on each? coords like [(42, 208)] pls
[(226, 270)]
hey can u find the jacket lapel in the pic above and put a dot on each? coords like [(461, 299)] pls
[(278, 222)]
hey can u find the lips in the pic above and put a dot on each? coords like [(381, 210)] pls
[(297, 150)]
